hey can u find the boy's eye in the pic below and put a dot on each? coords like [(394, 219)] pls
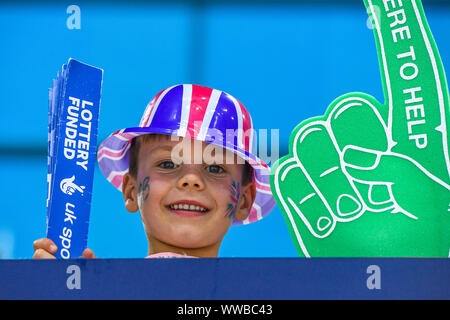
[(168, 165), (214, 169)]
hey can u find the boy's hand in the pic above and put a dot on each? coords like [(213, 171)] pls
[(44, 248), (88, 254)]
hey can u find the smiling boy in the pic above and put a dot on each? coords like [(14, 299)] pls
[(186, 208), (189, 170)]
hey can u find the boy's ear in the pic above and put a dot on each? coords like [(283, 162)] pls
[(246, 201), (130, 193)]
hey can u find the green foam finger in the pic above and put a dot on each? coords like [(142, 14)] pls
[(393, 155)]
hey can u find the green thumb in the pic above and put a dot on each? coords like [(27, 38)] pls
[(412, 187)]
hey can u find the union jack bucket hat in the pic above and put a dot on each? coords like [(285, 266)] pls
[(199, 113)]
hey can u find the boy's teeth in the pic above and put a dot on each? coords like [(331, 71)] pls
[(187, 207)]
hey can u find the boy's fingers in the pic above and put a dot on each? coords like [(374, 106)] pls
[(46, 244), (88, 254), (42, 254)]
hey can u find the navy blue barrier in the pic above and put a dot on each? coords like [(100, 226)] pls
[(226, 279)]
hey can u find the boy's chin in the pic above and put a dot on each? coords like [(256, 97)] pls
[(190, 237)]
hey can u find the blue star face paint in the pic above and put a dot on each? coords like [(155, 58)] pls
[(235, 193), (143, 191)]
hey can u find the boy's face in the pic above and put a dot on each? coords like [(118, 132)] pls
[(184, 201)]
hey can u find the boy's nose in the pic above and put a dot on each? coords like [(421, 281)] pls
[(191, 181)]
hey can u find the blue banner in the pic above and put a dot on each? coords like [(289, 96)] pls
[(255, 279), (74, 105)]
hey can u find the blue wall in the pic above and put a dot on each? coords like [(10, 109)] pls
[(284, 62)]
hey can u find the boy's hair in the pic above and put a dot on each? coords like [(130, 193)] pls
[(247, 173)]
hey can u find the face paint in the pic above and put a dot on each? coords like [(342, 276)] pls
[(235, 193), (143, 191)]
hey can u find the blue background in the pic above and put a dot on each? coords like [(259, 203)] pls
[(285, 61)]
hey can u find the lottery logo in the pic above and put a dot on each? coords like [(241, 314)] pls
[(69, 187)]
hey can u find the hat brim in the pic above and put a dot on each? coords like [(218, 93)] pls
[(113, 159)]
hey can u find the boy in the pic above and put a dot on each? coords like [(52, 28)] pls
[(189, 191)]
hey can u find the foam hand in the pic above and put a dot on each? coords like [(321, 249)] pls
[(370, 179)]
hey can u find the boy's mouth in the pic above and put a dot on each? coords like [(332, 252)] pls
[(188, 208)]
